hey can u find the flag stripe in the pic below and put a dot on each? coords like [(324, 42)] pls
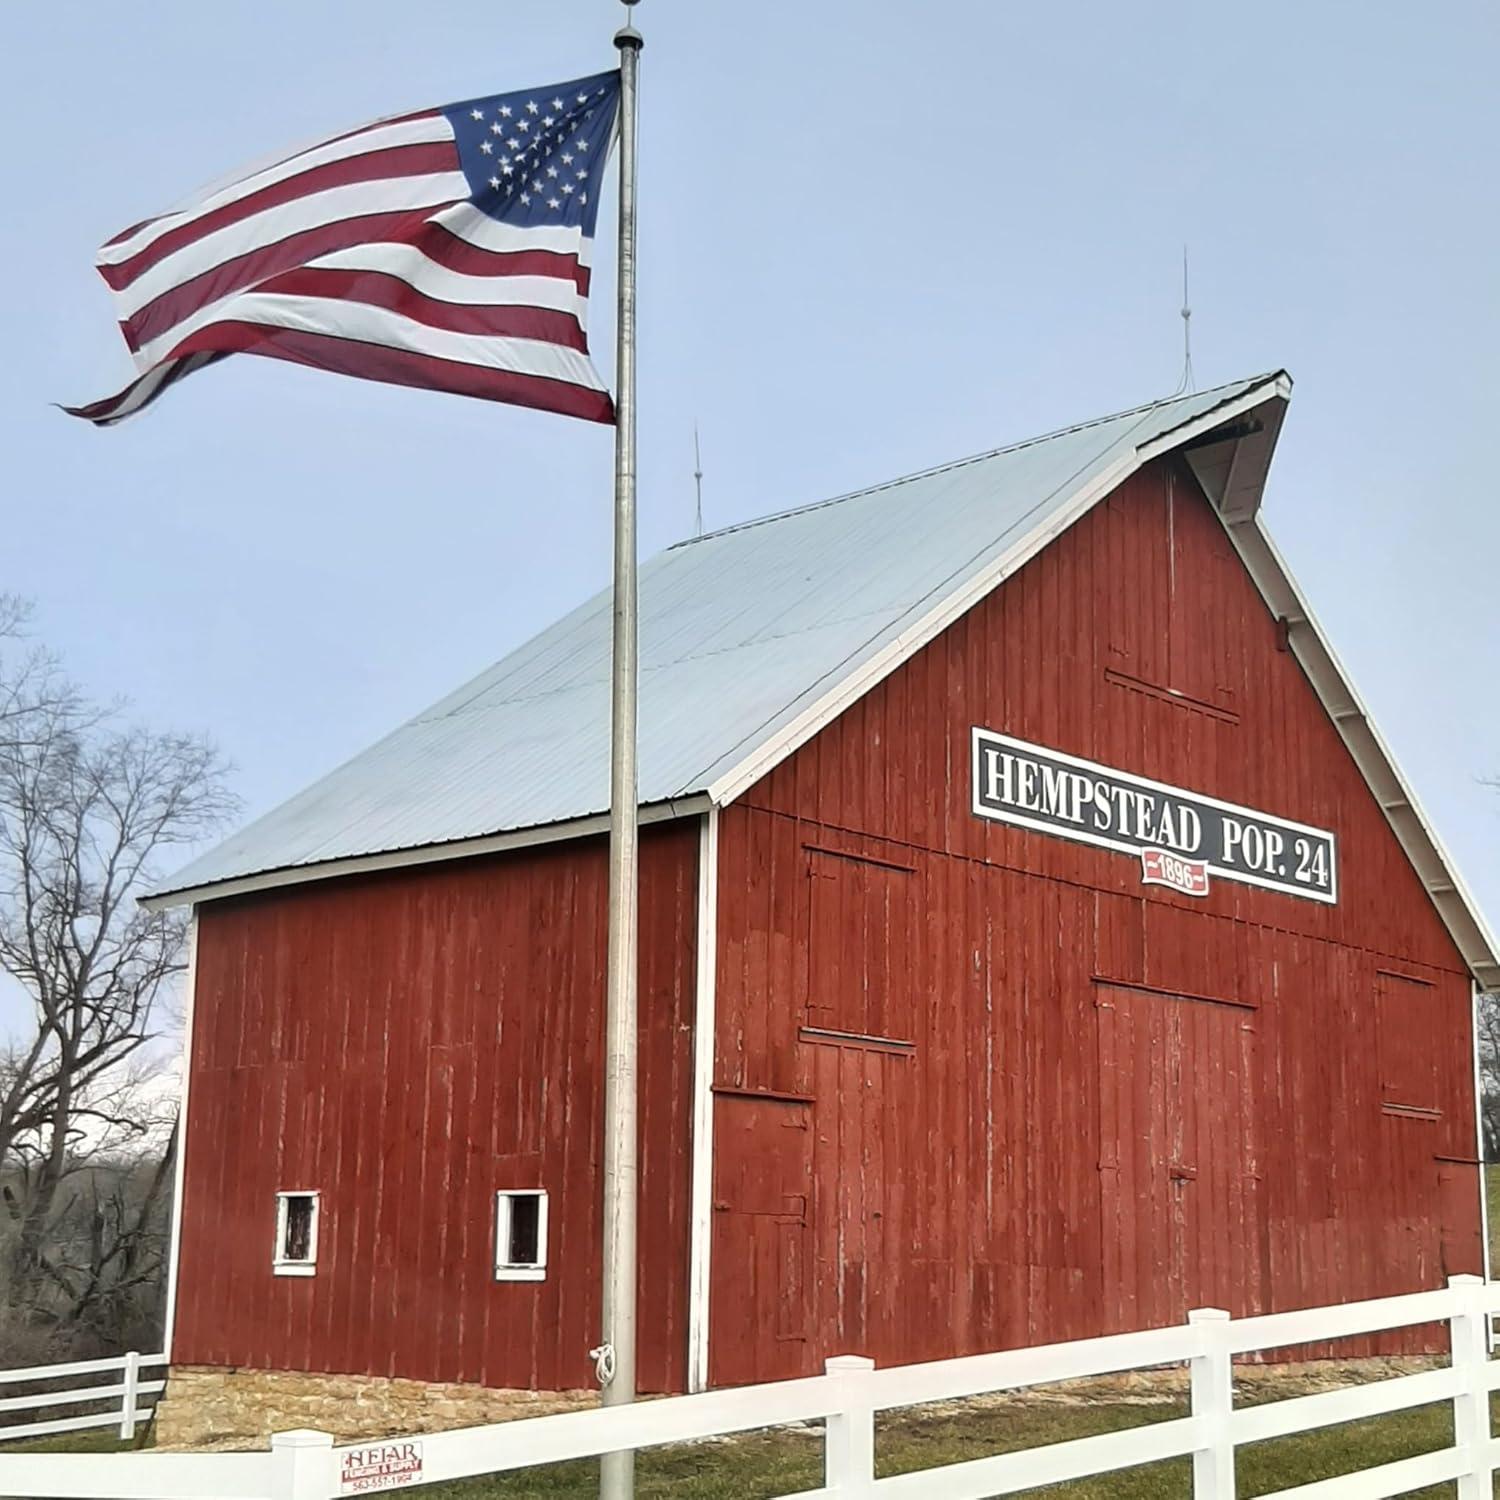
[(159, 318), (172, 307), (480, 230), (124, 235), (412, 195), (519, 320), (365, 324), (541, 286), (408, 130), (141, 392), (349, 356), (440, 244), (423, 160)]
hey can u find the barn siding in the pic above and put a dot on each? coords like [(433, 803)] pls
[(408, 1044), (965, 1192)]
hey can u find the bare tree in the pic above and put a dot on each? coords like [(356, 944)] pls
[(1489, 1075), (86, 806)]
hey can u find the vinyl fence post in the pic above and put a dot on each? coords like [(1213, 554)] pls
[(849, 1435), (1471, 1406), (1211, 1386), (303, 1465), (127, 1408)]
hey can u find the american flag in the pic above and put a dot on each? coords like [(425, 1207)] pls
[(448, 249)]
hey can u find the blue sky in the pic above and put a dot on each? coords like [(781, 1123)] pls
[(874, 236)]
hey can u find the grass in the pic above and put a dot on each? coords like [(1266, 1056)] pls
[(101, 1440), (770, 1464), (1492, 1196)]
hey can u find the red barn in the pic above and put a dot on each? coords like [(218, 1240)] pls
[(1037, 941)]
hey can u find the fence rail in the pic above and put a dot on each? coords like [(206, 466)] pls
[(847, 1397), (132, 1400)]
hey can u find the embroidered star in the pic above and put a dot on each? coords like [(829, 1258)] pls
[(552, 171), (537, 185), (581, 173), (496, 128), (567, 187), (532, 107), (557, 104), (476, 114), (583, 98), (583, 145), (486, 147), (494, 182), (526, 198), (553, 203), (583, 197), (507, 169), (514, 144), (547, 121), (505, 111), (567, 158)]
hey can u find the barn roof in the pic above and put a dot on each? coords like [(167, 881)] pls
[(754, 637)]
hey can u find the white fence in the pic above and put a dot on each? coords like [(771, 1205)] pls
[(308, 1466), (131, 1399)]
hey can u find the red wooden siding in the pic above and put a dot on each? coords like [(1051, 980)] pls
[(408, 1044), (1096, 1103)]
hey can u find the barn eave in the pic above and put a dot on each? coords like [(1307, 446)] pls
[(591, 826)]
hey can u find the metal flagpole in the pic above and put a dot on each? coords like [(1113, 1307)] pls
[(616, 1358)]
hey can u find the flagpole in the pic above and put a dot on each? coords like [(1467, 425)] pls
[(616, 1363)]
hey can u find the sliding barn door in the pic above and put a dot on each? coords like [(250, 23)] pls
[(1179, 1178)]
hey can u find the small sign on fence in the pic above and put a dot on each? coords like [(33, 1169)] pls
[(380, 1466)]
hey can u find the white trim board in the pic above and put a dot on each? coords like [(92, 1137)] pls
[(399, 859), (174, 1243), (1419, 840), (1476, 1000), (705, 1013)]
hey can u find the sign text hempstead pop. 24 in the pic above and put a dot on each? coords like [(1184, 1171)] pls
[(1180, 836)]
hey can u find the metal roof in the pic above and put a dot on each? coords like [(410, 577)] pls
[(751, 638)]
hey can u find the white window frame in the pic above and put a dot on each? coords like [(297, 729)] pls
[(532, 1271), (280, 1264)]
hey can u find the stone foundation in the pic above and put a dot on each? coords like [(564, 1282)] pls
[(206, 1407)]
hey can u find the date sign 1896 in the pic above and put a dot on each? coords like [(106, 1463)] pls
[(1181, 837)]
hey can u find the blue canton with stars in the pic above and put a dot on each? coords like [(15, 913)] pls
[(537, 156)]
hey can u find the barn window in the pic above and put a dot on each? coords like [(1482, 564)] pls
[(296, 1234), (521, 1236)]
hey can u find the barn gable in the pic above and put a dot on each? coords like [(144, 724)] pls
[(755, 637), (981, 1081)]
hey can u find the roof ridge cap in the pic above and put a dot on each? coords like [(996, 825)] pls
[(960, 463)]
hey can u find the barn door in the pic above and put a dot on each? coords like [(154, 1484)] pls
[(1179, 1183), (760, 1284)]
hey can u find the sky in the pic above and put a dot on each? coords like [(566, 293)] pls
[(873, 237)]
